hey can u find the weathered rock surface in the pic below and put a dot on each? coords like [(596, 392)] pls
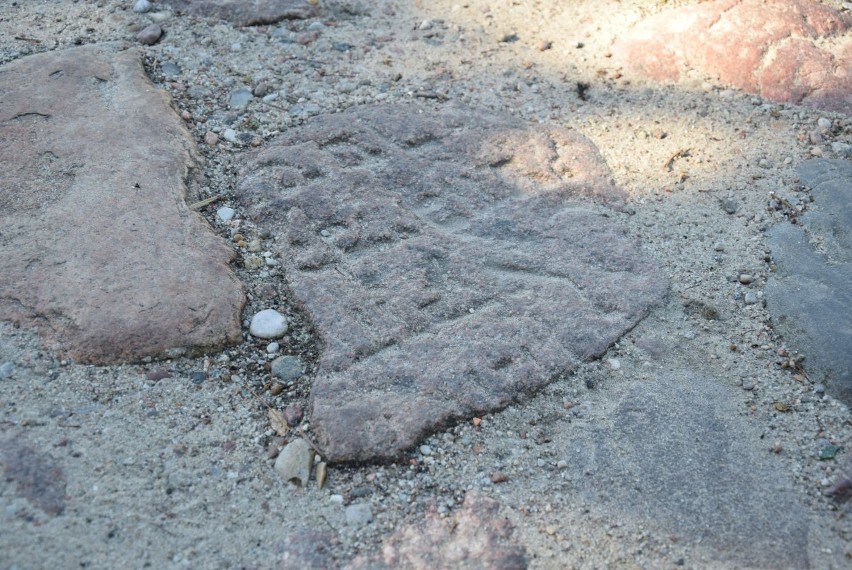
[(676, 455), (98, 247), (37, 476), (247, 12), (448, 260), (476, 537), (810, 296), (795, 51)]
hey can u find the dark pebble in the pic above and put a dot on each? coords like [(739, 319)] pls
[(293, 414), (150, 35), (198, 377), (158, 374)]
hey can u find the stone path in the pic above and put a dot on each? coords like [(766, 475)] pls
[(786, 50), (98, 247), (810, 296), (448, 262)]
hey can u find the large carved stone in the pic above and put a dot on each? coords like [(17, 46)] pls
[(97, 246), (451, 261)]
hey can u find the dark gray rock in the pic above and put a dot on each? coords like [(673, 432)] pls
[(247, 12), (37, 477), (810, 296), (675, 454), (450, 260), (98, 248)]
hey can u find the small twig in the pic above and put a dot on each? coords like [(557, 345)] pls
[(682, 153), (200, 204), (26, 39)]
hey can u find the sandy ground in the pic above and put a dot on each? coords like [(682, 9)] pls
[(173, 473)]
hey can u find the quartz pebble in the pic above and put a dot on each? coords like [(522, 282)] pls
[(225, 213), (273, 347), (230, 135), (295, 461), (745, 278), (268, 323), (141, 6)]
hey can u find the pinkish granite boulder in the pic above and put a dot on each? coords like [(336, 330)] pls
[(98, 248), (247, 12), (797, 51), (475, 537)]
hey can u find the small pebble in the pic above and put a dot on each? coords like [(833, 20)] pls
[(295, 461), (425, 450), (230, 135), (198, 377), (276, 389), (824, 124), (273, 347), (211, 138), (253, 262), (7, 369), (150, 35), (141, 6), (561, 464), (748, 385), (287, 368), (730, 206), (240, 98), (819, 388), (745, 278), (544, 45), (499, 477), (225, 213), (359, 515), (750, 298), (268, 323)]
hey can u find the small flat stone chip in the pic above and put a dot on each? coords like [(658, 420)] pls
[(98, 247), (450, 260), (475, 537), (247, 12), (797, 51), (810, 294)]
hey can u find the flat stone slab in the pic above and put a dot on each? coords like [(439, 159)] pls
[(797, 51), (675, 453), (451, 261), (247, 12), (98, 248), (475, 537), (810, 294)]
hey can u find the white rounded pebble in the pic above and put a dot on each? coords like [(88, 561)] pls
[(273, 347), (425, 450), (268, 323), (225, 213), (230, 135), (141, 6)]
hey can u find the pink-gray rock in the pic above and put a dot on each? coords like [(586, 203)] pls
[(451, 261), (99, 249), (797, 51), (247, 12), (150, 35), (475, 537)]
